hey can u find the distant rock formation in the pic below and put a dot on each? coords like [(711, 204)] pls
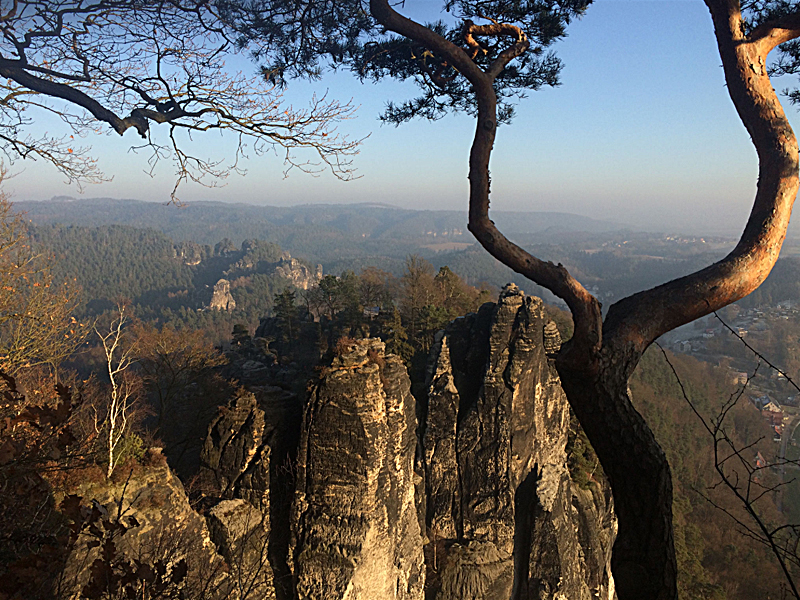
[(188, 253), (266, 258), (221, 298), (300, 275), (224, 247), (355, 527)]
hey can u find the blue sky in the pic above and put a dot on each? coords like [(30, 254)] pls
[(641, 131)]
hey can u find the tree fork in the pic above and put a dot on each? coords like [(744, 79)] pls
[(596, 363), (641, 318)]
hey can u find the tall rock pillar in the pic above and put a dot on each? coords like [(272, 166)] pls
[(356, 532), (503, 521)]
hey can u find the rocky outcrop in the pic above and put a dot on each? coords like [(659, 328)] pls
[(266, 258), (248, 455), (356, 532), (146, 514), (189, 253), (236, 527), (463, 495), (221, 298), (235, 466), (235, 459), (297, 273), (502, 514)]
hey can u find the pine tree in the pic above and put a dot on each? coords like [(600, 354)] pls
[(397, 338)]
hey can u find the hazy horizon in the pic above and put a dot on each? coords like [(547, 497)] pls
[(699, 230), (641, 131)]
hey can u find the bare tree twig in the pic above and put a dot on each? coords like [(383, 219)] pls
[(729, 463)]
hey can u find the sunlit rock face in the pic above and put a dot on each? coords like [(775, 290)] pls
[(502, 517), (355, 526), (221, 298), (146, 515), (300, 275), (189, 253), (461, 494)]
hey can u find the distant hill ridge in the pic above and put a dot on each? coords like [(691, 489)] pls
[(208, 222)]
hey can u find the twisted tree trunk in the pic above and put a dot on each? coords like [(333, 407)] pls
[(597, 362)]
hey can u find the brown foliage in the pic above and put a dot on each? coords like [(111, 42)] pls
[(36, 441), (36, 322)]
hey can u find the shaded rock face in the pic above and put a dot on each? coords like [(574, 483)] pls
[(355, 527), (160, 525), (221, 298), (235, 465), (246, 461), (235, 459), (501, 513)]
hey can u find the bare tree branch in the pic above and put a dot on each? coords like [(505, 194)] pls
[(129, 65), (726, 450)]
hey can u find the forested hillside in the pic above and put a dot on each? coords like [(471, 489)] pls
[(165, 282), (114, 261), (208, 222), (609, 259), (716, 558)]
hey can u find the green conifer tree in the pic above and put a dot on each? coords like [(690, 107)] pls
[(397, 338)]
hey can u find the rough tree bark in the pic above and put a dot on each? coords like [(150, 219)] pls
[(595, 365)]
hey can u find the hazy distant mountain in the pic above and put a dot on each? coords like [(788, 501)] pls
[(318, 231)]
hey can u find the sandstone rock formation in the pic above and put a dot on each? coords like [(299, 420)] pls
[(159, 526), (463, 495), (247, 455), (300, 275), (235, 465), (235, 459), (356, 532), (189, 253), (236, 527), (221, 298), (368, 494), (500, 512)]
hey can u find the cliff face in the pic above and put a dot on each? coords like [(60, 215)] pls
[(502, 514), (355, 527), (245, 464), (235, 459), (374, 495)]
